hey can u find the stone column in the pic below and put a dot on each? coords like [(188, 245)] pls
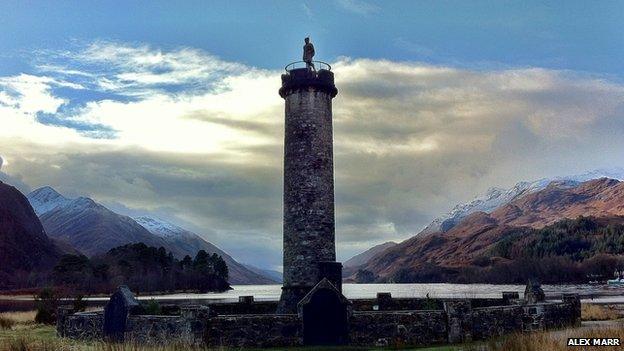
[(459, 319), (61, 316), (308, 182), (384, 301), (575, 301), (510, 297)]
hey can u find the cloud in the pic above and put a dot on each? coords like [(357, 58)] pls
[(199, 140), (141, 70), (30, 94), (307, 10), (14, 181), (358, 7)]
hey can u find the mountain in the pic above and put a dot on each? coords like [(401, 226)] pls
[(45, 199), (276, 276), (88, 226), (365, 256), (189, 243), (94, 229), (472, 241), (25, 249), (496, 197)]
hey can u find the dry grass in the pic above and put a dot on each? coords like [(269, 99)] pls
[(598, 313), (37, 337), (26, 317), (6, 323), (554, 341), (8, 320)]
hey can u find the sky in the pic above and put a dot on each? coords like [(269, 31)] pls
[(171, 108)]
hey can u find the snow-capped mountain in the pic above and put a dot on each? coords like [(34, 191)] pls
[(87, 225), (46, 199), (496, 197)]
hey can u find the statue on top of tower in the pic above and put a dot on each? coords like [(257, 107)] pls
[(308, 54)]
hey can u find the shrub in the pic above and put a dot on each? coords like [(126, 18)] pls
[(6, 323), (46, 303), (79, 303), (152, 307)]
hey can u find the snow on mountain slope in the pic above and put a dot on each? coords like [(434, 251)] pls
[(161, 227), (496, 197), (46, 199)]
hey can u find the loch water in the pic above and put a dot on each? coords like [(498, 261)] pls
[(596, 293)]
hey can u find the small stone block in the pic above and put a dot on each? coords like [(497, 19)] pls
[(246, 299)]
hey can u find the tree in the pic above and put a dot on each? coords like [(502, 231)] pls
[(46, 303)]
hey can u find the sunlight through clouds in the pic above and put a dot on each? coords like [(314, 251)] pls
[(199, 138)]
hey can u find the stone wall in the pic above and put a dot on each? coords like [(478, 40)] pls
[(551, 315), (255, 331), (490, 322), (397, 328), (186, 328), (456, 321), (411, 304), (157, 330), (255, 307), (81, 326)]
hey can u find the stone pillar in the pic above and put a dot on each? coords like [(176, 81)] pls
[(333, 272), (248, 300), (575, 301), (384, 301), (196, 317), (308, 182), (510, 297), (121, 305), (533, 293), (459, 319), (61, 315)]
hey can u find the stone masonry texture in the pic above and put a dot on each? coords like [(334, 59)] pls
[(309, 226)]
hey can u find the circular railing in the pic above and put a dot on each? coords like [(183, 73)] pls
[(319, 65)]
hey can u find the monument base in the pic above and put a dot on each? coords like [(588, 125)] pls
[(291, 295)]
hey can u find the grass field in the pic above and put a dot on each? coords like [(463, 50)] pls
[(36, 337), (599, 313), (23, 334)]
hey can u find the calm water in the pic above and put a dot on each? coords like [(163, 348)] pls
[(272, 292)]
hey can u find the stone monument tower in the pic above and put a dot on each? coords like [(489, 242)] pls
[(309, 239)]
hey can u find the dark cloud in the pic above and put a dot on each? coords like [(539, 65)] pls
[(91, 130), (265, 128)]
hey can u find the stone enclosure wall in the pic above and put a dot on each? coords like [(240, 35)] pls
[(255, 331), (158, 330), (187, 328), (398, 328), (82, 326), (455, 321)]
